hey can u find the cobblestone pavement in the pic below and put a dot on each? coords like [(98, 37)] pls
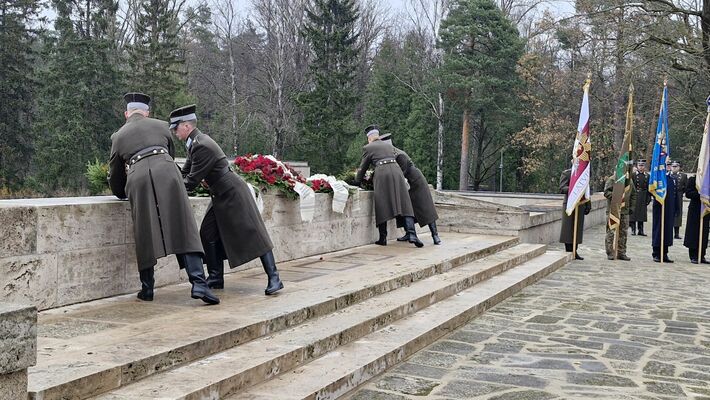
[(595, 329)]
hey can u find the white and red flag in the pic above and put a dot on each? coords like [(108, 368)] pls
[(581, 157)]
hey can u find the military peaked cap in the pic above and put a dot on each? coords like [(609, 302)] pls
[(186, 113), (372, 130), (137, 101)]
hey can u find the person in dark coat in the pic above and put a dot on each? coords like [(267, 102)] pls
[(232, 227), (391, 192), (692, 224), (680, 180), (567, 231), (671, 209), (639, 213), (142, 169), (422, 202)]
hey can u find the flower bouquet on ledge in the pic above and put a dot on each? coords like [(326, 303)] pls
[(320, 185), (265, 171), (349, 178)]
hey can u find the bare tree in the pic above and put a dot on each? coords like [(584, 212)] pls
[(426, 17), (227, 27), (283, 66)]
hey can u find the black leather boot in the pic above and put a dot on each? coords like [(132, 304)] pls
[(412, 232), (147, 277), (215, 265), (382, 228), (677, 232), (196, 275), (633, 228), (434, 233), (275, 284), (640, 229), (404, 238)]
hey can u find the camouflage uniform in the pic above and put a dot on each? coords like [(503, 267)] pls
[(624, 214)]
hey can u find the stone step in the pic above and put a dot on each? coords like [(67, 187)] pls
[(261, 359), (88, 349), (338, 372)]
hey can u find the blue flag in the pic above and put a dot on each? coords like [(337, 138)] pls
[(657, 183)]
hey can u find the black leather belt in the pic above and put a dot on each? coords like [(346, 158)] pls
[(147, 152), (387, 161)]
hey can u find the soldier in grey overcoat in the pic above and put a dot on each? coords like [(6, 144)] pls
[(643, 198), (391, 192), (142, 169), (232, 227), (422, 202), (567, 231)]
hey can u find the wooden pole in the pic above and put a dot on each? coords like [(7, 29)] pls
[(616, 238), (700, 234), (574, 234), (663, 228)]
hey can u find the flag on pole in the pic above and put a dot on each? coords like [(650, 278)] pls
[(622, 182), (702, 177), (581, 157), (657, 183)]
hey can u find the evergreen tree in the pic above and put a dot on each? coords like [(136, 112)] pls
[(79, 102), (16, 88), (387, 98), (155, 58), (328, 126), (482, 48)]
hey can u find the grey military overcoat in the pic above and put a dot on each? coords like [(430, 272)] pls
[(391, 192), (163, 222), (643, 197), (419, 193), (241, 228)]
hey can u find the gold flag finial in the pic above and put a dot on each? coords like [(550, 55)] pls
[(665, 81), (588, 82), (631, 88)]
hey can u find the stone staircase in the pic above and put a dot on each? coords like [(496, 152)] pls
[(343, 318)]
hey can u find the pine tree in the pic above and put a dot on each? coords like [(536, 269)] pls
[(155, 58), (79, 102), (387, 98), (16, 88), (482, 48), (328, 126)]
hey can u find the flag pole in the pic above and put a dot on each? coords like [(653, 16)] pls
[(616, 239), (700, 234), (574, 235), (663, 228)]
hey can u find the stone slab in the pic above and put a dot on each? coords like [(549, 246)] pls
[(13, 386), (29, 279), (18, 337), (86, 274), (18, 228)]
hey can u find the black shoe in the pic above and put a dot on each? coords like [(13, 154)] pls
[(677, 237), (404, 238), (215, 265), (667, 260), (693, 260), (641, 233), (145, 295), (434, 233), (578, 257), (196, 275), (382, 228), (147, 277), (623, 257), (704, 261), (409, 227), (274, 284), (609, 257), (656, 259)]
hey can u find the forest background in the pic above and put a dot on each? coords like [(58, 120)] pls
[(477, 92)]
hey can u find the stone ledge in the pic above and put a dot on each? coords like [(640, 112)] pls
[(18, 338)]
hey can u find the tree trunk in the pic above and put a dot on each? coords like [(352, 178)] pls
[(233, 87), (619, 87), (463, 172), (705, 26), (440, 146)]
